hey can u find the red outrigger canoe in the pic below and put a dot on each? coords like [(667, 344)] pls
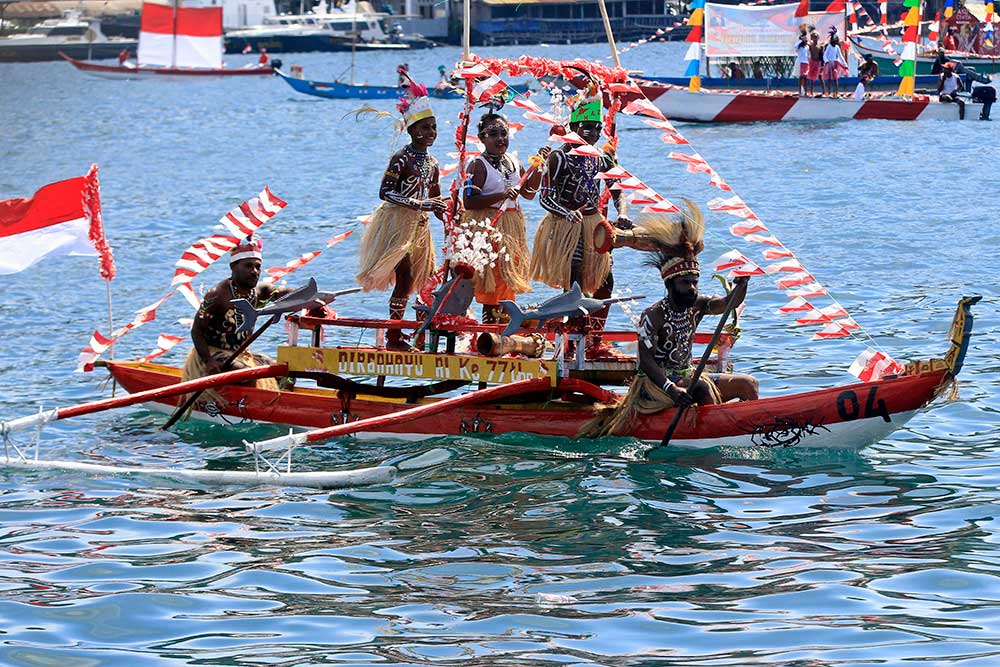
[(549, 397), (121, 72)]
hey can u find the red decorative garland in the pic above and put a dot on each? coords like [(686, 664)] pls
[(92, 208)]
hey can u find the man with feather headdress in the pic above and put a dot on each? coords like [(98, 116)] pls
[(396, 247), (667, 329)]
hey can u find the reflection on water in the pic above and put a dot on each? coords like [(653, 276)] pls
[(509, 550)]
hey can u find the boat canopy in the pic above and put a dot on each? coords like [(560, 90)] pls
[(734, 31)]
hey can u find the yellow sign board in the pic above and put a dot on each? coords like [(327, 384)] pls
[(415, 365)]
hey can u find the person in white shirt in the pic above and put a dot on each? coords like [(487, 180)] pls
[(948, 87), (834, 65), (802, 59)]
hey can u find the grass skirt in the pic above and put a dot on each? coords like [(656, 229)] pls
[(195, 368), (509, 277), (644, 397), (555, 243), (393, 233)]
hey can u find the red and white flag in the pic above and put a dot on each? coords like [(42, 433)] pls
[(568, 138), (643, 107), (766, 240), (247, 48), (251, 214), (806, 291), (871, 366), (488, 87), (748, 228), (276, 273), (795, 279), (664, 206), (731, 260), (796, 305), (181, 36), (586, 150), (164, 343), (62, 218)]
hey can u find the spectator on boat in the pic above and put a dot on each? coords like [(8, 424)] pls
[(949, 85), (493, 186), (666, 334), (834, 65), (214, 329), (736, 72), (949, 42), (867, 72), (123, 57), (564, 250), (815, 61), (979, 89), (939, 61), (802, 60), (264, 59), (396, 247)]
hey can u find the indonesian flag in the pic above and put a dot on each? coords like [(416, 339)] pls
[(871, 366), (181, 36), (488, 87), (802, 9), (62, 218)]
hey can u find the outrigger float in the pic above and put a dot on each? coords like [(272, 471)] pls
[(503, 385)]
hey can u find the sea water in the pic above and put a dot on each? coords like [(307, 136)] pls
[(512, 550)]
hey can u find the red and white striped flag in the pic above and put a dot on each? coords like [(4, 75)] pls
[(781, 253), (766, 240), (251, 214), (796, 305), (795, 279), (586, 150), (526, 104), (807, 291), (200, 255), (279, 272), (871, 366), (748, 228), (731, 260), (164, 343), (643, 107), (62, 218), (664, 206)]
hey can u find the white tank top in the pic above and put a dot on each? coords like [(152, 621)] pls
[(496, 183)]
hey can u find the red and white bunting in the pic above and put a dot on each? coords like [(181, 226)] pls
[(444, 171), (97, 346), (695, 163), (871, 366), (613, 174), (731, 205), (486, 88), (807, 291), (515, 127), (251, 214), (200, 255), (472, 71), (277, 273), (568, 138), (716, 181), (781, 253), (746, 270), (812, 317), (673, 139), (664, 206), (643, 107), (796, 305), (164, 343), (788, 266), (766, 240), (746, 228), (631, 183), (188, 293), (365, 219), (586, 150), (731, 260), (834, 312), (838, 329), (644, 197), (527, 105), (542, 117), (795, 279), (664, 125)]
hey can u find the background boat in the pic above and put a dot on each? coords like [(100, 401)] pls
[(355, 25), (925, 59), (175, 42), (706, 106), (339, 90), (71, 34), (785, 84)]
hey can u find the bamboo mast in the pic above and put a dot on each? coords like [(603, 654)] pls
[(607, 31), (466, 29)]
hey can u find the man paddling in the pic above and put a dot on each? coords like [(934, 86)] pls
[(666, 334), (214, 330)]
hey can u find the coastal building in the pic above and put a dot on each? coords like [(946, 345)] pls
[(497, 22)]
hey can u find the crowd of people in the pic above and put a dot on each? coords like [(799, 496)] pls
[(826, 62)]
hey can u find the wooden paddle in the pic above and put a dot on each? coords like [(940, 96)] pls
[(179, 412), (735, 297)]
